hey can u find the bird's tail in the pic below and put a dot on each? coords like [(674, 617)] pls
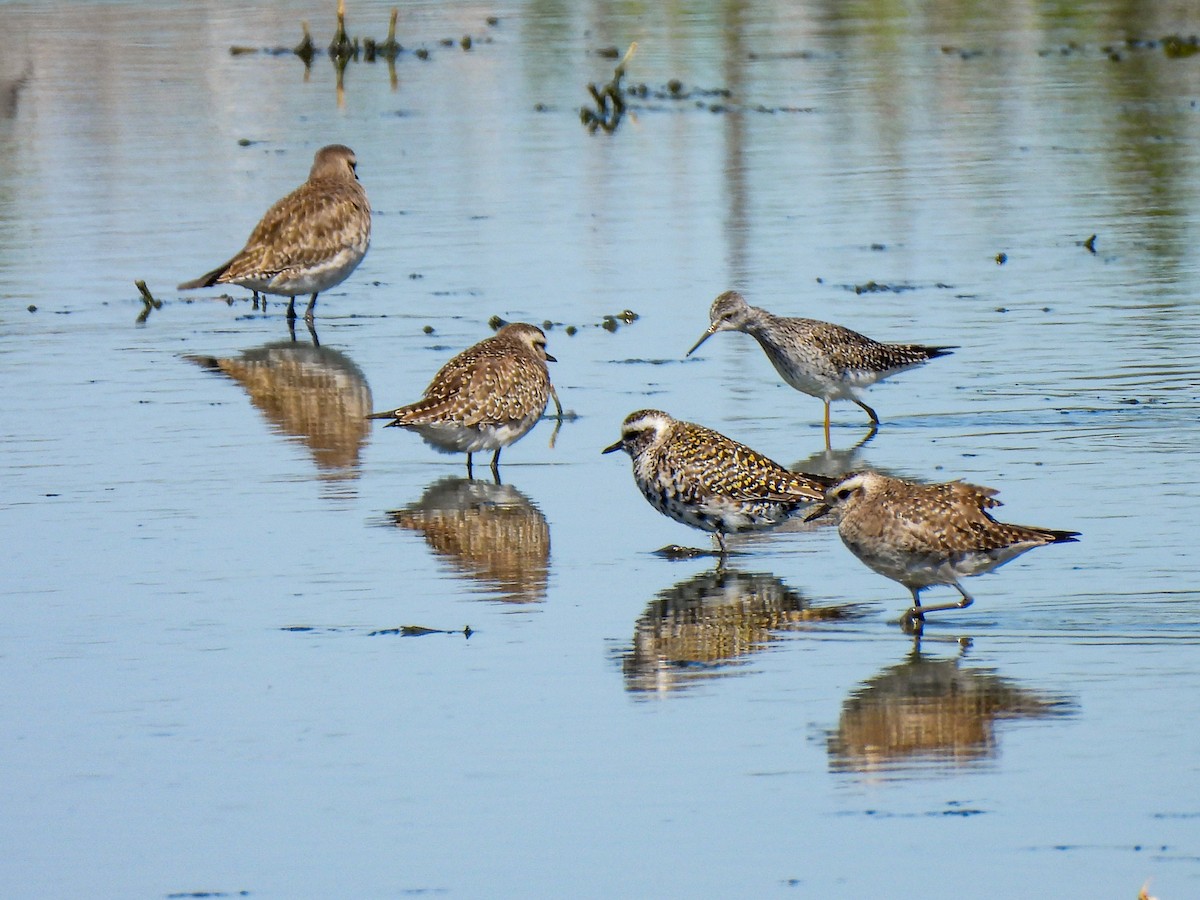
[(208, 279)]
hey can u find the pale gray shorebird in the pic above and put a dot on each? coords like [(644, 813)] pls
[(487, 397), (308, 242), (926, 534), (817, 358), (701, 478)]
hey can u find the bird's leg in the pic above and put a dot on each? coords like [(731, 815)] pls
[(312, 331), (912, 620), (292, 329), (312, 304), (870, 412), (920, 611), (496, 464), (722, 550), (291, 313), (470, 474), (828, 445), (264, 306)]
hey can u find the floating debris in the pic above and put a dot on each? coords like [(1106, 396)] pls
[(874, 287), (420, 631), (1176, 47), (1090, 244), (1001, 258), (676, 551)]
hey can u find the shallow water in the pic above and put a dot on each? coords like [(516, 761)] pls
[(210, 560)]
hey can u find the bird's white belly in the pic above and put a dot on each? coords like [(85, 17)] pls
[(454, 438), (315, 278)]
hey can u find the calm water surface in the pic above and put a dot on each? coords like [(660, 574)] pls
[(210, 560)]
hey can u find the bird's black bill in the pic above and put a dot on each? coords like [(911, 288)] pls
[(619, 445), (704, 337), (819, 513)]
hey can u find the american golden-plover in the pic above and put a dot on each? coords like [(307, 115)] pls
[(926, 534), (701, 478), (487, 397), (308, 242)]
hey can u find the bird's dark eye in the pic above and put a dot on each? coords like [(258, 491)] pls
[(842, 494)]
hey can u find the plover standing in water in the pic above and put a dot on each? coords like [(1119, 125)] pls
[(701, 478), (817, 358), (926, 534), (487, 397), (308, 242)]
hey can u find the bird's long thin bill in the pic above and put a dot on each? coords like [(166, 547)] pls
[(619, 445), (704, 337), (389, 414)]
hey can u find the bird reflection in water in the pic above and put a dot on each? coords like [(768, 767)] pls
[(308, 392), (488, 531), (927, 714), (710, 624), (836, 463)]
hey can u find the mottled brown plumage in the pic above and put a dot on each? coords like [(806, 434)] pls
[(926, 534), (308, 242), (817, 358), (485, 398), (701, 478)]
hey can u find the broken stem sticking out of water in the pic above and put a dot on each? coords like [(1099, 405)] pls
[(609, 99), (148, 300)]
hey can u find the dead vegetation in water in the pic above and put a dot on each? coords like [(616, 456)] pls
[(344, 48), (613, 100), (610, 322)]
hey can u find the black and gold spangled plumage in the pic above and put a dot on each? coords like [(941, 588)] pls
[(500, 380), (704, 479), (310, 240)]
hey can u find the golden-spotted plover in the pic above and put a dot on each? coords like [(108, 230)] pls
[(487, 397), (701, 478), (817, 358), (308, 242), (926, 534)]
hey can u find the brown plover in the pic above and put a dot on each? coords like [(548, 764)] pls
[(487, 397), (817, 358), (926, 534), (701, 478), (308, 242)]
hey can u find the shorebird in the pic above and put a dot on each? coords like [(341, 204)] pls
[(925, 534), (701, 478), (308, 242), (817, 358), (487, 397)]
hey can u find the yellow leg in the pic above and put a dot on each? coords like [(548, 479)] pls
[(828, 445)]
